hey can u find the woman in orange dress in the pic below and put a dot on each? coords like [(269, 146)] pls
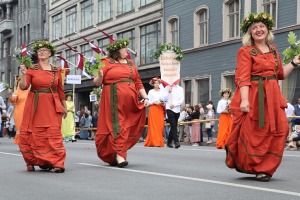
[(41, 141), (260, 127), (225, 121), (18, 98), (122, 116), (155, 135)]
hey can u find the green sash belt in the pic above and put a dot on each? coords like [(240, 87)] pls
[(261, 96), (114, 105), (36, 95)]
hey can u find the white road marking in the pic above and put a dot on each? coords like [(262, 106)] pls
[(198, 180), (11, 154)]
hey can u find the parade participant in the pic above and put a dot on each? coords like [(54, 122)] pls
[(41, 141), (174, 99), (122, 116), (260, 127), (155, 135), (225, 121), (68, 124), (18, 98)]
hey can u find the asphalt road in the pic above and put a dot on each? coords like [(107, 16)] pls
[(153, 173)]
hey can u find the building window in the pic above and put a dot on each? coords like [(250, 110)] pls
[(270, 7), (174, 31), (203, 86), (104, 10), (102, 43), (3, 76), (228, 81), (28, 33), (86, 14), (57, 26), (188, 92), (131, 36), (145, 2), (234, 19), (231, 16), (86, 50), (201, 26), (5, 49), (150, 41), (72, 57), (125, 6), (71, 18)]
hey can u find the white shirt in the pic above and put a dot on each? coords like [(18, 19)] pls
[(155, 95), (289, 111), (222, 105), (182, 116), (176, 98)]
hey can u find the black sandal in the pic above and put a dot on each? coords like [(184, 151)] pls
[(263, 177), (123, 164)]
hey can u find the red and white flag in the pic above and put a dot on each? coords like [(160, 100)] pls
[(96, 49), (64, 64), (23, 50), (80, 63)]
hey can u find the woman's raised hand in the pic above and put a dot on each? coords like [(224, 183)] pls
[(23, 69), (100, 73)]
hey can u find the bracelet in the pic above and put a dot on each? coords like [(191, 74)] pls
[(294, 64), (146, 98)]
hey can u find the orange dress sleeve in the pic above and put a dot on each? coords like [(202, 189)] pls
[(243, 68), (60, 87), (137, 80)]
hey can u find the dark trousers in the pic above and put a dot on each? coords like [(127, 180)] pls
[(173, 120)]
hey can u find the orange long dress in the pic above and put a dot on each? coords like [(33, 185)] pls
[(121, 117), (252, 148), (41, 141), (155, 134), (19, 98)]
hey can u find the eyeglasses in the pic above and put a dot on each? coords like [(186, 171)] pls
[(42, 50)]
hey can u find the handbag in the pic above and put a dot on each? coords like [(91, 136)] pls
[(208, 125)]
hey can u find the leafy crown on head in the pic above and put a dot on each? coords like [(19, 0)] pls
[(43, 44), (118, 45), (263, 17)]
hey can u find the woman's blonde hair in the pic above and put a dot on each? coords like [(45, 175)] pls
[(248, 40)]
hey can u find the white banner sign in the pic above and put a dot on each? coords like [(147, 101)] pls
[(73, 79), (169, 68)]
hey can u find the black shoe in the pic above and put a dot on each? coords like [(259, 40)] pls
[(263, 178), (177, 146), (170, 145), (74, 140), (123, 164)]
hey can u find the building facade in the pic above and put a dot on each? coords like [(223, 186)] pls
[(209, 33), (21, 21), (138, 20)]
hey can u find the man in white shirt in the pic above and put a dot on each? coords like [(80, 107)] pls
[(174, 99), (289, 111)]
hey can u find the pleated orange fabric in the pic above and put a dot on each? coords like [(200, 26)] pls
[(41, 141), (130, 112), (224, 130), (155, 134), (19, 98), (251, 149)]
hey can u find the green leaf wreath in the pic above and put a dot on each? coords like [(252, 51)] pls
[(24, 60), (93, 64), (170, 47), (290, 52)]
